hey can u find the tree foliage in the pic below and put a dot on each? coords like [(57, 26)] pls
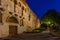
[(52, 16)]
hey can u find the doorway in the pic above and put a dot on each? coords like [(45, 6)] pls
[(12, 30)]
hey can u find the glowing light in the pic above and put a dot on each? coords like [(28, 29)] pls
[(48, 22)]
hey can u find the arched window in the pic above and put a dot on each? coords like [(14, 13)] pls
[(0, 2), (29, 17), (22, 10), (21, 22), (12, 20), (0, 17)]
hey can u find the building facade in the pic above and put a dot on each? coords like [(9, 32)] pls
[(16, 17)]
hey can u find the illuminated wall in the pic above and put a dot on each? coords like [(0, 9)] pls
[(16, 13)]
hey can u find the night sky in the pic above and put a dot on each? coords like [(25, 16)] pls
[(40, 7)]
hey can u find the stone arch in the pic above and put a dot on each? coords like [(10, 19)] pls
[(12, 19)]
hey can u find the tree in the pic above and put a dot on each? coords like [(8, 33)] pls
[(50, 16), (58, 18)]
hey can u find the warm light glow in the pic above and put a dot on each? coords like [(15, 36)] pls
[(48, 22)]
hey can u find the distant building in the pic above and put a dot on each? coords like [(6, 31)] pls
[(16, 17)]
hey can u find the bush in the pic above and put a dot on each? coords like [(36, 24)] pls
[(43, 27)]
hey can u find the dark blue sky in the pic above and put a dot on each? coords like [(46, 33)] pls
[(40, 7)]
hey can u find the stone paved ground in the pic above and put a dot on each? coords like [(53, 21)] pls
[(34, 36)]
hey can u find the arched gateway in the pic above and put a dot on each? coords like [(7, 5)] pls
[(12, 28)]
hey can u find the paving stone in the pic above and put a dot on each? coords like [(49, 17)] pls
[(26, 36)]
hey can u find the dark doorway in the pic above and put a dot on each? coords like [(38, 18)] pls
[(12, 30)]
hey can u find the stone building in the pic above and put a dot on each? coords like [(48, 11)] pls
[(16, 17)]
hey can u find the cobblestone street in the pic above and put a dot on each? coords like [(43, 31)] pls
[(34, 36)]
